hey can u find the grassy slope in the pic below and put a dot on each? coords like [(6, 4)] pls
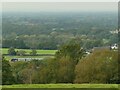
[(5, 51), (62, 86)]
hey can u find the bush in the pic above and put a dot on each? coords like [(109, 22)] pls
[(11, 51), (21, 52), (33, 52)]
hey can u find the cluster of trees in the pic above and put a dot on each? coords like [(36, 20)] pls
[(12, 51), (99, 67), (68, 66), (7, 73), (54, 41), (44, 23), (49, 31)]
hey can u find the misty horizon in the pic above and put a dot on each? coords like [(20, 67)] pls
[(59, 7)]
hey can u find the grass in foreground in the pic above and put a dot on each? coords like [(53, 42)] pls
[(61, 86)]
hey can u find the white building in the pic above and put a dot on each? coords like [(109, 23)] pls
[(114, 47), (25, 59)]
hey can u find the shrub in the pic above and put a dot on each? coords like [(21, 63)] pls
[(11, 51)]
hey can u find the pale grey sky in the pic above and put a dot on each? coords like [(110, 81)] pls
[(58, 6)]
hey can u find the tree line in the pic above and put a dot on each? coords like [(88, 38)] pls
[(12, 51), (54, 41), (70, 65)]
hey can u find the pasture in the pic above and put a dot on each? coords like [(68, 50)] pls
[(5, 51), (61, 86)]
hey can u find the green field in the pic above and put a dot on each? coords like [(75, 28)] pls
[(51, 52), (5, 51), (62, 86)]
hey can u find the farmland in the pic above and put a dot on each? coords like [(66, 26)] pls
[(62, 86), (5, 51), (42, 54)]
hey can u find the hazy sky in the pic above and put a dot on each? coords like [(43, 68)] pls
[(58, 6)]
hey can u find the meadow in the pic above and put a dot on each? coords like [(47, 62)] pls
[(50, 54), (5, 51), (61, 86)]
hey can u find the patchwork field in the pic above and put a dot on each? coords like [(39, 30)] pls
[(62, 86)]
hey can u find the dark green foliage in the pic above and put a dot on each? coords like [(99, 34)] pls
[(72, 49), (7, 75), (17, 43), (11, 51), (21, 52), (33, 52), (68, 56)]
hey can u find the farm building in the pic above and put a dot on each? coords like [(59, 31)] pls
[(114, 47), (25, 59), (111, 47)]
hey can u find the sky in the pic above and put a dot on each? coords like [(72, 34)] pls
[(58, 6)]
